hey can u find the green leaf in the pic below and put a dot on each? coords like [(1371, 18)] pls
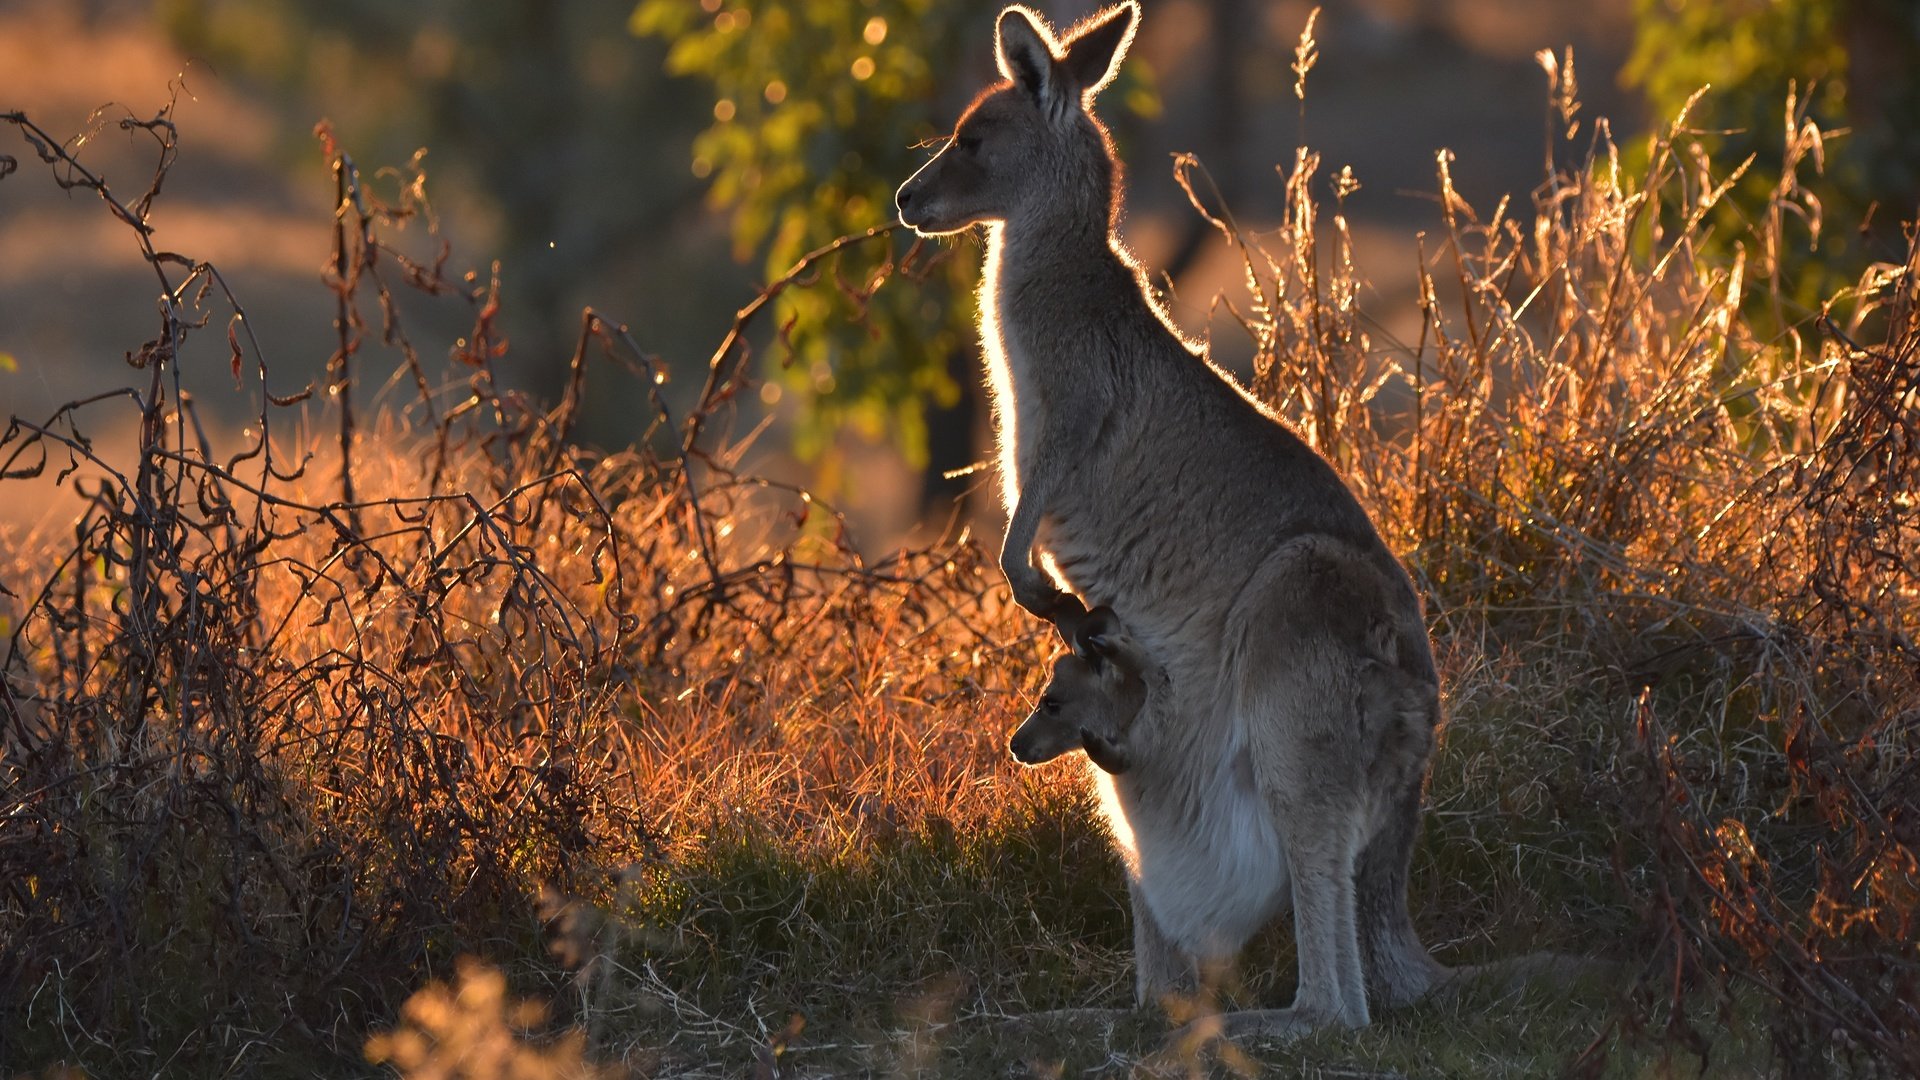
[(8, 363)]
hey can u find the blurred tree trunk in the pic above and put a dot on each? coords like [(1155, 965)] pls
[(521, 146), (957, 438), (1882, 39), (1232, 35)]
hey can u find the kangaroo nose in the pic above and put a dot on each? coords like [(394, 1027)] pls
[(1021, 752), (902, 200)]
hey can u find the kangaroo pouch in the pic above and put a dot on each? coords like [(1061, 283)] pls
[(1207, 860)]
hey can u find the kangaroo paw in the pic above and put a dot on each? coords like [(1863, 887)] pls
[(1063, 609), (1104, 752)]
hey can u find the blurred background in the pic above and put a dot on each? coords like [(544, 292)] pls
[(658, 159)]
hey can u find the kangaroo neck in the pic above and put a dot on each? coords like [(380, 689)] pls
[(1042, 278), (1022, 254)]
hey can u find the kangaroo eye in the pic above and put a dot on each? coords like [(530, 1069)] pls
[(1049, 705)]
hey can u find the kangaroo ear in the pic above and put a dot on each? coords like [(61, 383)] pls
[(1094, 637), (1100, 652), (1024, 48), (1103, 641), (1096, 47)]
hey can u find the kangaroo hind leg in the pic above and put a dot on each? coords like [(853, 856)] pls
[(1306, 769), (1401, 713), (1399, 969), (1321, 840), (1297, 668)]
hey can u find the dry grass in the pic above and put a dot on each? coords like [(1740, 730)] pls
[(289, 730)]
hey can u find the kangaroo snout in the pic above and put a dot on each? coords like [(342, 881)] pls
[(903, 202), (1022, 748), (1041, 739), (918, 199), (922, 205), (913, 201)]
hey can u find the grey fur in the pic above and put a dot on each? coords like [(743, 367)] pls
[(1300, 701)]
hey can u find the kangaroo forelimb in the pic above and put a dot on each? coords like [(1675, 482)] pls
[(1032, 589)]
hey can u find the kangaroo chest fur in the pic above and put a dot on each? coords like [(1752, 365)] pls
[(1012, 378), (1201, 847), (1139, 445)]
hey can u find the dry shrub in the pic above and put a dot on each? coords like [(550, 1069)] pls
[(289, 725)]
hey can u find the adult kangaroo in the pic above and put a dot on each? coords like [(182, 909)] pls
[(1288, 767)]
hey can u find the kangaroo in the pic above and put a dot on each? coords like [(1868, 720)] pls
[(1096, 694), (1147, 480)]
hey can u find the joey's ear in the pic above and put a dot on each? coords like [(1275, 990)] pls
[(1094, 637), (1097, 46), (1099, 650), (1024, 48), (1103, 640)]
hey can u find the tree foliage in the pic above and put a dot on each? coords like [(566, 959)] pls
[(1848, 67), (820, 108)]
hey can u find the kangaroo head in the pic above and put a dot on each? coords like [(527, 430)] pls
[(1029, 143), (1096, 692)]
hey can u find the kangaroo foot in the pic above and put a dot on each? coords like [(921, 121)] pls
[(1273, 1024)]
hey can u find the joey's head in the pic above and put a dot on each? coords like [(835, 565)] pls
[(1029, 147), (1092, 700)]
